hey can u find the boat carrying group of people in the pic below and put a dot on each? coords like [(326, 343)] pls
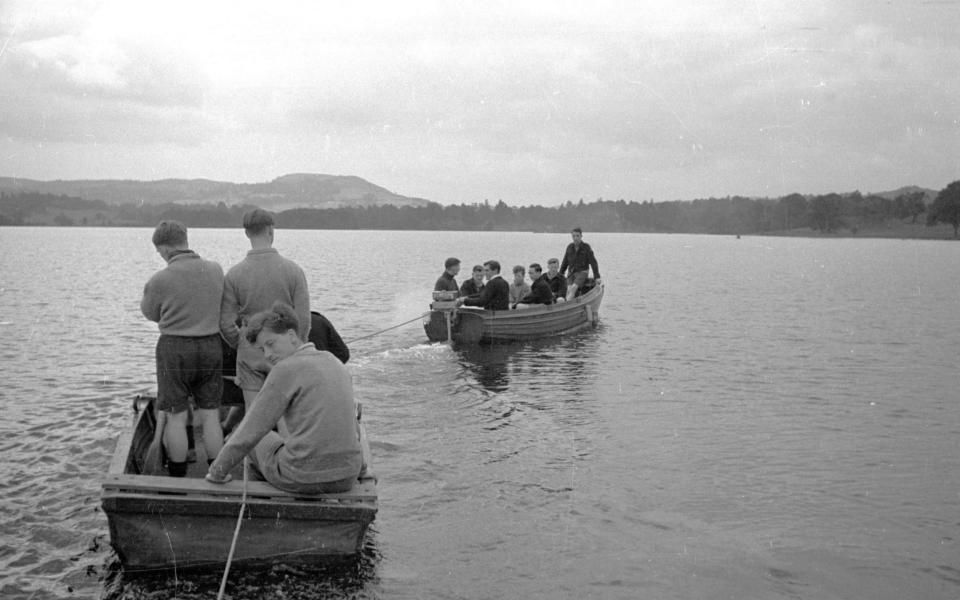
[(563, 280), (298, 422)]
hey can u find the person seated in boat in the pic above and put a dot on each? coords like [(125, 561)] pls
[(308, 396), (323, 336), (557, 282), (473, 286), (446, 281), (518, 287), (183, 299), (540, 290), (495, 295), (579, 259)]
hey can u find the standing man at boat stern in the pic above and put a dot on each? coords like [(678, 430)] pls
[(252, 286), (308, 397), (184, 300), (579, 259)]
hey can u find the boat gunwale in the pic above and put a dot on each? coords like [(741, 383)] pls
[(536, 322), (593, 295)]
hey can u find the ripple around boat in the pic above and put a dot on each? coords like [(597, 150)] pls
[(167, 522), (472, 325)]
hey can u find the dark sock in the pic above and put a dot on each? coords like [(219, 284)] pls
[(177, 469), (209, 461)]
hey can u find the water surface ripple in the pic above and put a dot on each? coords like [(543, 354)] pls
[(754, 418)]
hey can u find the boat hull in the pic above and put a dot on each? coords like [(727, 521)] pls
[(166, 522), (468, 325)]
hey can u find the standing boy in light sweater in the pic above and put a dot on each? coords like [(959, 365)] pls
[(252, 286), (184, 299)]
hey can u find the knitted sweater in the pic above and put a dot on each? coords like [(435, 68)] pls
[(184, 298), (311, 391), (254, 284)]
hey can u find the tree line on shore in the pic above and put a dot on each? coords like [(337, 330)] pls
[(828, 213)]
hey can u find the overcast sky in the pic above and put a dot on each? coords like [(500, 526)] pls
[(461, 101)]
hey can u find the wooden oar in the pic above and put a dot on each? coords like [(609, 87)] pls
[(153, 460)]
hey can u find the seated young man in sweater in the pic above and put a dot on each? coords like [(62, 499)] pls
[(309, 394)]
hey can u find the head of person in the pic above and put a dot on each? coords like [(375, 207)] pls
[(535, 270), (553, 267), (491, 269), (168, 237), (452, 266), (258, 223), (478, 273), (577, 234), (275, 332), (518, 273)]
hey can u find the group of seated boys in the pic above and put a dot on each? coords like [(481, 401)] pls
[(496, 293)]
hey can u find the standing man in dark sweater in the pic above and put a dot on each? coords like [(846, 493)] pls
[(579, 259), (184, 300), (446, 281), (495, 295), (252, 286)]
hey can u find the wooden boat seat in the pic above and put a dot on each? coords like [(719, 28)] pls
[(365, 489)]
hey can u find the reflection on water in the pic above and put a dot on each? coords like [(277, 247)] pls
[(559, 364)]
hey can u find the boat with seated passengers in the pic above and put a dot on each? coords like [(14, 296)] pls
[(470, 325)]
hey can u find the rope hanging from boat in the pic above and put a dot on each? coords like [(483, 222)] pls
[(389, 328), (236, 531)]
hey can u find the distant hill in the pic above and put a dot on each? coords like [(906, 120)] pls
[(928, 194), (298, 190)]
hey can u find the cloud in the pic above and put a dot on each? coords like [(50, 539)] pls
[(543, 101)]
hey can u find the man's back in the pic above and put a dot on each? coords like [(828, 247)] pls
[(184, 297), (254, 284)]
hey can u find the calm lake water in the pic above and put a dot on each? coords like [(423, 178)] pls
[(754, 418)]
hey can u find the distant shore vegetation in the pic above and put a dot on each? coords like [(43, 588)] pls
[(906, 215)]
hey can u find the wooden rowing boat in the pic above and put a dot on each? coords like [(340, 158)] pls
[(470, 325), (166, 522)]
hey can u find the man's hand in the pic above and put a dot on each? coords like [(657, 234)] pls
[(216, 475)]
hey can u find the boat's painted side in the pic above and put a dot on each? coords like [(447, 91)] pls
[(164, 522), (469, 325)]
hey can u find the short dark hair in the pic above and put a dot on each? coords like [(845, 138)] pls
[(477, 268), (256, 220), (170, 233), (492, 265), (576, 230), (553, 261), (536, 267), (451, 262), (279, 319), (519, 269)]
